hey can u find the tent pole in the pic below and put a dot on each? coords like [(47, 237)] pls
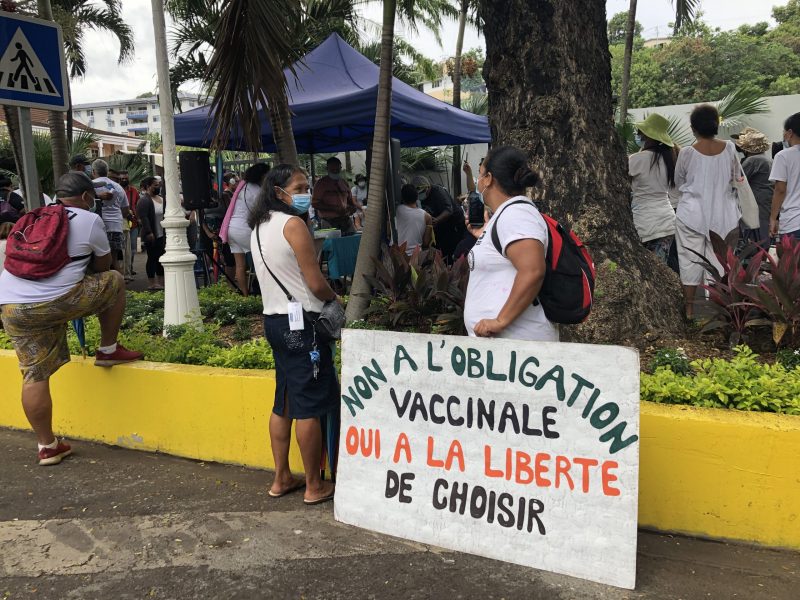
[(313, 173)]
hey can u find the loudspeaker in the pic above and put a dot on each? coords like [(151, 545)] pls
[(195, 179)]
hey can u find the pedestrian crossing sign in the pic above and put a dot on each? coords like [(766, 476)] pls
[(32, 69)]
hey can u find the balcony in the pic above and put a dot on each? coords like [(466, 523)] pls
[(137, 115), (138, 129)]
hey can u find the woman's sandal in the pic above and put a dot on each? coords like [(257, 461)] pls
[(297, 485)]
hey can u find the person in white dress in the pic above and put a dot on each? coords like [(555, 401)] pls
[(239, 230), (708, 204)]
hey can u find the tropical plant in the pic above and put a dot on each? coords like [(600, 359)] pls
[(739, 104), (477, 103), (674, 359), (424, 159), (136, 164)]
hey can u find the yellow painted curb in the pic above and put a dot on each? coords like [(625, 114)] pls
[(715, 473), (720, 473), (197, 412)]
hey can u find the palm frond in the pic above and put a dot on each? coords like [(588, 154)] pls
[(476, 103), (250, 52), (739, 104), (685, 10)]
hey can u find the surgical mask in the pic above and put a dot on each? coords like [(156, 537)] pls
[(786, 144), (362, 184), (638, 139), (300, 202), (335, 176), (480, 193), (231, 181)]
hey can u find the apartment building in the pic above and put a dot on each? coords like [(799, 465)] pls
[(128, 117)]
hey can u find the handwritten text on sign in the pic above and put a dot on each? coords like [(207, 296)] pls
[(521, 451)]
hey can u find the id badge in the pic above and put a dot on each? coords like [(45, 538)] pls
[(296, 316)]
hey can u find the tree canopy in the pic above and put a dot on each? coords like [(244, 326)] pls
[(616, 28), (701, 63)]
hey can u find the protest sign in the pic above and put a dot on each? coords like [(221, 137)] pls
[(525, 452)]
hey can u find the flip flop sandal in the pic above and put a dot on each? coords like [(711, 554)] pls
[(322, 500), (299, 485)]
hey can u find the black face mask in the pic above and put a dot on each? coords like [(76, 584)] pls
[(124, 182), (156, 191)]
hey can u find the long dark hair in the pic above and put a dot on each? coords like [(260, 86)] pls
[(663, 152), (509, 166), (255, 173), (267, 200)]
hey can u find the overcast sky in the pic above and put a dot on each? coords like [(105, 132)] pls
[(105, 80)]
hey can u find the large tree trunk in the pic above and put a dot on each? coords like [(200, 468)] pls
[(280, 119), (549, 82), (462, 25), (626, 64), (370, 247)]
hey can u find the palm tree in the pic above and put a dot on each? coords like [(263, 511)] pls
[(465, 6), (684, 13)]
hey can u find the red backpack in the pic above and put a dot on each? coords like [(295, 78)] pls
[(566, 294), (37, 245)]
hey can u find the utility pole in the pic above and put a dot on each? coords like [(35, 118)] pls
[(180, 302)]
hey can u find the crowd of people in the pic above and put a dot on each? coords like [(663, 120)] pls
[(682, 197)]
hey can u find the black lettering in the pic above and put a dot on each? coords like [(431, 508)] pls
[(439, 503), (432, 367), (477, 502), (527, 378), (526, 416), (392, 484), (508, 414), (459, 496), (535, 508), (401, 410), (418, 406), (436, 398), (455, 422), (505, 517), (547, 421), (489, 373), (485, 414), (405, 486)]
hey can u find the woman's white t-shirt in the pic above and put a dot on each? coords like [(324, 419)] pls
[(653, 215), (245, 202), (492, 274), (359, 194)]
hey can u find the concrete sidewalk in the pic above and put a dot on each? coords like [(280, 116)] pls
[(114, 523)]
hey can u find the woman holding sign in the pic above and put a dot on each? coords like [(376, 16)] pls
[(293, 292), (505, 280)]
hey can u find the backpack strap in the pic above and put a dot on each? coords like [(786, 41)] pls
[(494, 234)]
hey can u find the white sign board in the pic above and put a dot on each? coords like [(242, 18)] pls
[(525, 452)]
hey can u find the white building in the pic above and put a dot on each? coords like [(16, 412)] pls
[(135, 117)]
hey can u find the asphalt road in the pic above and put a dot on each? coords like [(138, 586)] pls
[(115, 523)]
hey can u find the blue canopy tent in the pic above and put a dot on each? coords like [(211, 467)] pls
[(333, 100)]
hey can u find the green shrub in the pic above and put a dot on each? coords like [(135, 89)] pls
[(222, 304), (255, 354), (742, 383), (5, 341), (144, 307), (243, 330), (674, 359), (789, 358)]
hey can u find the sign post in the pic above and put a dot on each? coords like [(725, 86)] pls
[(525, 452), (33, 74)]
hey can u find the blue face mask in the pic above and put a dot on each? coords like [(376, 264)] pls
[(301, 203), (334, 176), (638, 139)]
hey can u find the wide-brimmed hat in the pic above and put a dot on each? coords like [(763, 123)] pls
[(78, 159), (751, 141), (656, 128)]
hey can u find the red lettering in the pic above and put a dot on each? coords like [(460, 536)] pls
[(508, 464)]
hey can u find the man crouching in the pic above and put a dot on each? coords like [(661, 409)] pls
[(46, 284)]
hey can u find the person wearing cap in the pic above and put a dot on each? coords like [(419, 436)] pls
[(114, 212), (447, 215), (784, 218), (652, 172), (756, 166), (708, 202), (35, 312), (79, 163)]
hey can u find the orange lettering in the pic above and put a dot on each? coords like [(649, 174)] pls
[(455, 453), (508, 464), (433, 462), (540, 468), (562, 468), (351, 440), (585, 463), (487, 463), (608, 478), (402, 446), (524, 466)]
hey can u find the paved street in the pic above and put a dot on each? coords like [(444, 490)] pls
[(114, 523)]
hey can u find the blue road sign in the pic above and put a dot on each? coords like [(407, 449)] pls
[(32, 69)]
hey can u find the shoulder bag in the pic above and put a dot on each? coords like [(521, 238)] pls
[(328, 325), (744, 196)]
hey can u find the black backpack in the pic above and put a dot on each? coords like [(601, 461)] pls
[(568, 287)]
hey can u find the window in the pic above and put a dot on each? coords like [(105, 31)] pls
[(123, 123), (109, 111), (191, 104), (110, 122), (155, 118), (437, 83), (154, 106), (77, 113), (89, 113), (121, 110)]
